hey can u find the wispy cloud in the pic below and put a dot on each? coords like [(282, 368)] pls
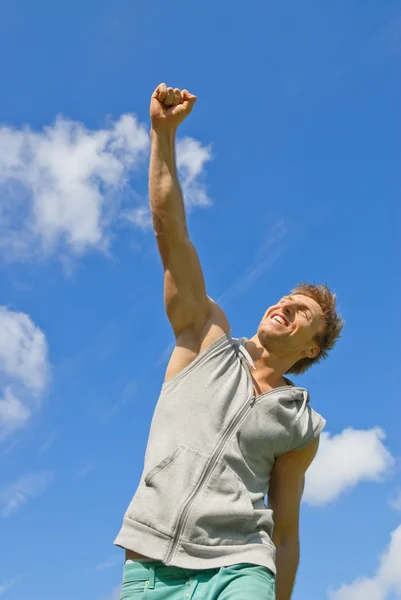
[(24, 369), (140, 217), (192, 158), (111, 562), (85, 470), (267, 254), (48, 443), (395, 502), (165, 355), (343, 461), (21, 491), (61, 187), (4, 588), (6, 585), (386, 580), (114, 595)]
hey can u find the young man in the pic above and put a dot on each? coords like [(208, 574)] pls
[(229, 428)]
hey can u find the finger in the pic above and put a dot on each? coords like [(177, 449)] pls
[(187, 96), (190, 99), (160, 92), (177, 97), (168, 101)]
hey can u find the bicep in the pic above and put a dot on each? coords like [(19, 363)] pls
[(285, 501), (185, 297), (195, 318)]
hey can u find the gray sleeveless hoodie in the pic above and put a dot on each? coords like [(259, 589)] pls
[(211, 449)]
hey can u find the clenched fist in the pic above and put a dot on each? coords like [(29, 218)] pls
[(170, 106)]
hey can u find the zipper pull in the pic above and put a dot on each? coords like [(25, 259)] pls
[(253, 401)]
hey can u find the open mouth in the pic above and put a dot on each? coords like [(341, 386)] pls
[(279, 318)]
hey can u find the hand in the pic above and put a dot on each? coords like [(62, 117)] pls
[(169, 107)]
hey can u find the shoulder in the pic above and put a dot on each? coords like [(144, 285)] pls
[(307, 424), (191, 343)]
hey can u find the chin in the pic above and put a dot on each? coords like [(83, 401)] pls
[(271, 339), (266, 337)]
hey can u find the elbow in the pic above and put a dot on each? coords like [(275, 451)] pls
[(288, 552), (288, 541), (168, 230)]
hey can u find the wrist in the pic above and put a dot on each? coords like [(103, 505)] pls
[(163, 133)]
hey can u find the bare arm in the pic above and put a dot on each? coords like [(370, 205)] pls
[(196, 320), (185, 296), (286, 489)]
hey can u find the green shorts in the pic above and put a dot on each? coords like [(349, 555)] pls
[(155, 581)]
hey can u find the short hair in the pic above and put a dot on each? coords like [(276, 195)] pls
[(333, 323)]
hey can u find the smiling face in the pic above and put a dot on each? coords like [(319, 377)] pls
[(289, 327)]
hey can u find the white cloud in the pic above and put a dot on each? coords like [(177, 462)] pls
[(191, 160), (62, 188), (13, 413), (23, 350), (139, 217), (63, 185), (343, 461), (24, 369), (192, 157), (386, 581), (21, 491)]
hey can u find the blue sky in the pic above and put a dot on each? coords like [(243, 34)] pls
[(290, 167)]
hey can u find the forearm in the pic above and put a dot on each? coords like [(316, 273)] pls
[(287, 559), (166, 199)]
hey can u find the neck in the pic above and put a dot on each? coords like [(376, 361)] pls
[(270, 368)]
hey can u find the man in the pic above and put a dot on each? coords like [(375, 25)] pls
[(229, 428)]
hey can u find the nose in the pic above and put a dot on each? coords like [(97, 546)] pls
[(288, 309)]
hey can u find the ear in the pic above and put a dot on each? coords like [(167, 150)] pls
[(312, 350)]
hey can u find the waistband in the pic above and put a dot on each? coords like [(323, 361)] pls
[(150, 570)]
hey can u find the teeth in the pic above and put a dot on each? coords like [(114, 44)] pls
[(279, 320)]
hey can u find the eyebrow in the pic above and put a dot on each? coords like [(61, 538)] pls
[(300, 304)]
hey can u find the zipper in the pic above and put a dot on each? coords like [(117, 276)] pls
[(208, 469), (210, 466)]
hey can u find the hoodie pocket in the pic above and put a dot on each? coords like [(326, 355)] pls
[(164, 489), (162, 465), (223, 511)]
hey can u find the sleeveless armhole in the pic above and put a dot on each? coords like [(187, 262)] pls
[(220, 341), (306, 429)]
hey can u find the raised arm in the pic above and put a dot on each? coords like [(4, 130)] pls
[(195, 319)]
